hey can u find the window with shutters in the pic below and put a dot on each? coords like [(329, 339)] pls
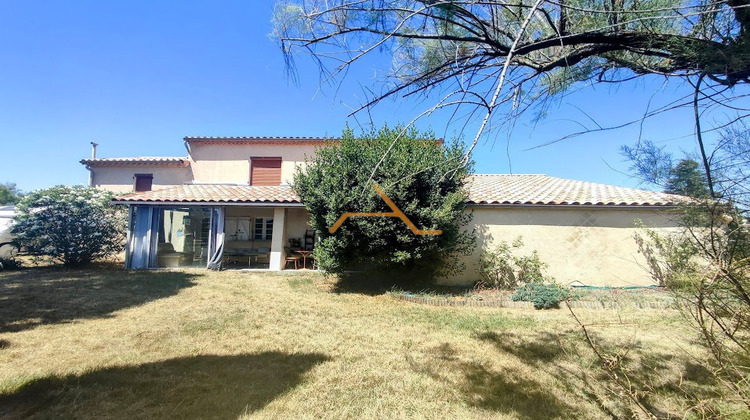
[(143, 182), (265, 171)]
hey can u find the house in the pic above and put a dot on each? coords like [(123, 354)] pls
[(229, 203)]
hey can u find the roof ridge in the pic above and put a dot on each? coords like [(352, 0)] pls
[(259, 138), (138, 157), (508, 175), (137, 161)]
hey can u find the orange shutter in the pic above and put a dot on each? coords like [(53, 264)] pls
[(265, 171)]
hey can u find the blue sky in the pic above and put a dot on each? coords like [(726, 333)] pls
[(138, 76)]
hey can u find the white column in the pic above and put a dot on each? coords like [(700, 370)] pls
[(277, 240)]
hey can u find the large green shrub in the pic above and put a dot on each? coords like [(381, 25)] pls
[(71, 225), (423, 177)]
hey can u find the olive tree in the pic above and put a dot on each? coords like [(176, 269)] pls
[(420, 175)]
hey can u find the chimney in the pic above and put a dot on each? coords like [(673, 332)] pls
[(93, 150)]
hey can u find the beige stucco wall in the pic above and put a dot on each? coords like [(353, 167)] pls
[(227, 163), (594, 246), (297, 221), (249, 211), (211, 163), (122, 179)]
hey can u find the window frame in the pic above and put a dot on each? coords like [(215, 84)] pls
[(264, 230), (255, 159), (137, 177)]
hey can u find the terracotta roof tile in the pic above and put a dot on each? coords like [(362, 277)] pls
[(138, 161), (483, 190), (215, 193), (548, 190)]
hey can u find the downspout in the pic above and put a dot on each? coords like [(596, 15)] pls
[(189, 158), (91, 176)]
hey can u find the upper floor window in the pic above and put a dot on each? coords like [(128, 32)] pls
[(143, 182), (265, 171)]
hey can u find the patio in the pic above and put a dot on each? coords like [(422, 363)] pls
[(265, 238)]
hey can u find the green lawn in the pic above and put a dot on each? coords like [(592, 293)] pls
[(196, 344)]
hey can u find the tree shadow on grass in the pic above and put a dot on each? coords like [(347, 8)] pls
[(362, 283), (512, 393), (665, 384), (541, 348), (653, 376), (544, 351), (190, 387), (374, 283), (508, 391), (37, 296)]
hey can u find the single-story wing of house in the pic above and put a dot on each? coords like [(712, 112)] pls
[(230, 203)]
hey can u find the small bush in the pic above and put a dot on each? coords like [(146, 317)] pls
[(542, 295), (502, 269), (670, 258)]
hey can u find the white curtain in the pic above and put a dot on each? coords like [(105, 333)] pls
[(216, 239)]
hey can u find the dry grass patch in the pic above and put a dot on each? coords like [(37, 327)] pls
[(194, 344)]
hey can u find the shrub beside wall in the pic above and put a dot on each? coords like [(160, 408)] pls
[(503, 268)]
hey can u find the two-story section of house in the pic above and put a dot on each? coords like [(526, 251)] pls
[(228, 202)]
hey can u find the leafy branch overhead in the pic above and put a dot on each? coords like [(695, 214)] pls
[(530, 49)]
